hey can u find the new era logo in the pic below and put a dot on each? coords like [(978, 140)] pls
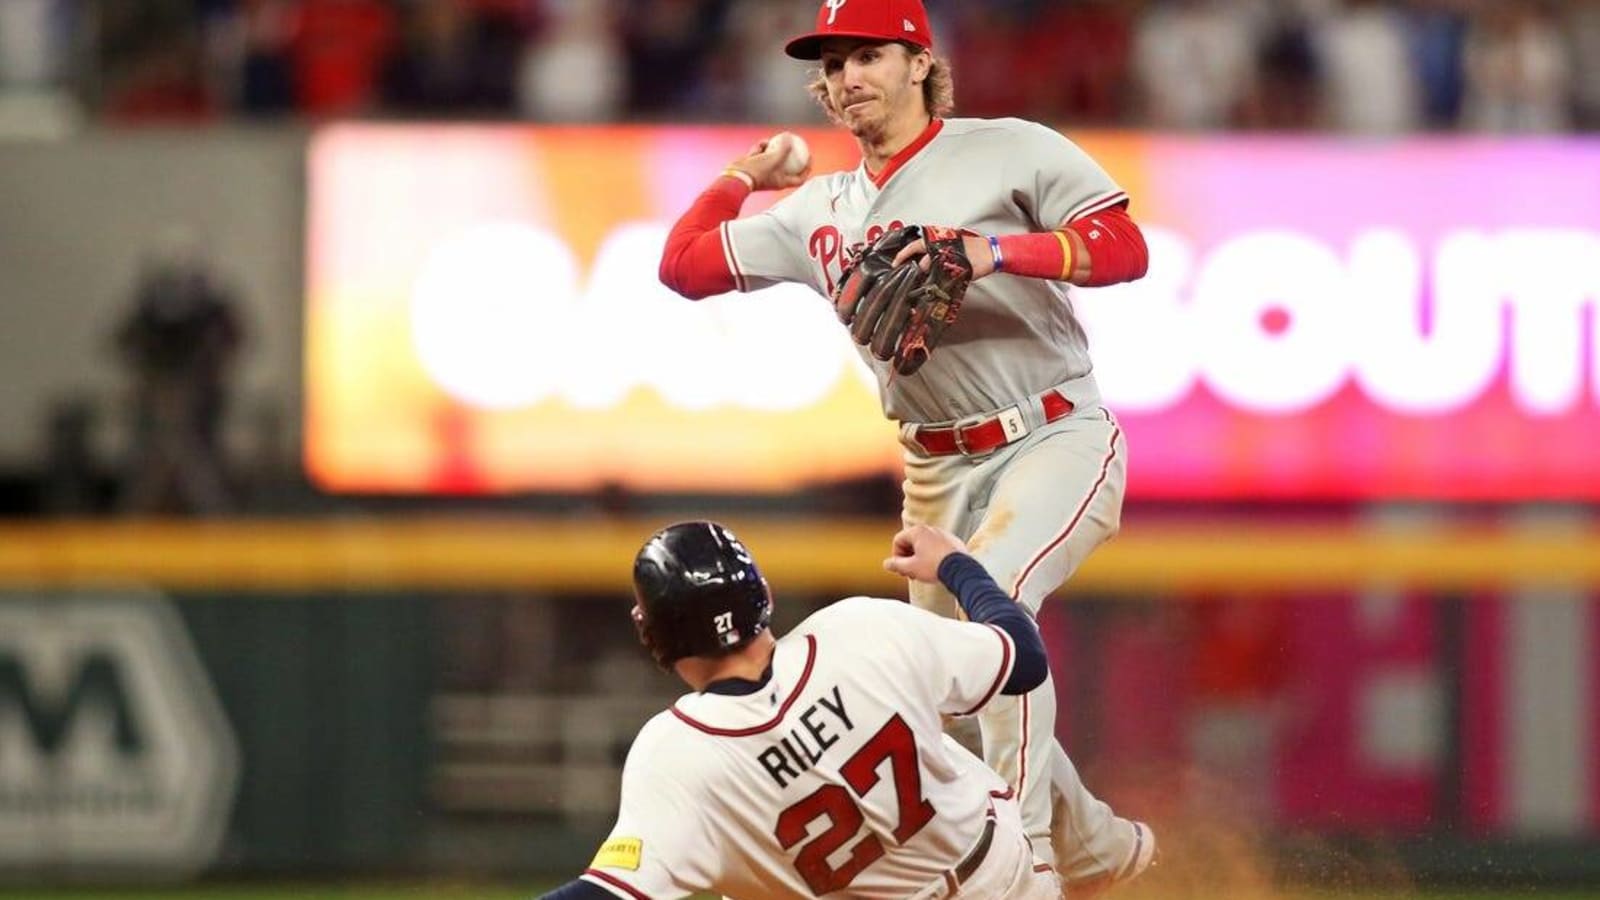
[(906, 24)]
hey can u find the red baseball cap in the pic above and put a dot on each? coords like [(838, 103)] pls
[(873, 20)]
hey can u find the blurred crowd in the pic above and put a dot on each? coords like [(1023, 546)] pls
[(1362, 66)]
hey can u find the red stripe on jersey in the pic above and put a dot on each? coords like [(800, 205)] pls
[(904, 156), (1022, 748), (805, 675), (613, 881), (1090, 207), (1007, 795), (732, 259), (1000, 679), (1105, 469)]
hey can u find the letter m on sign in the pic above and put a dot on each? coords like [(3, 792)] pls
[(95, 685)]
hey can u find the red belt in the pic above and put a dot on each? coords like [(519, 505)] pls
[(988, 434)]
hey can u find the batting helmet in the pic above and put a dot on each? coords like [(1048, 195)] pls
[(698, 593)]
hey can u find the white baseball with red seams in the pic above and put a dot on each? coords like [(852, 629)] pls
[(1036, 507), (797, 153)]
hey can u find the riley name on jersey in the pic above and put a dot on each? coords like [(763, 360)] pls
[(802, 748)]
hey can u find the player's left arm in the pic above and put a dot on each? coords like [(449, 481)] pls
[(1083, 233), (578, 889), (1100, 249)]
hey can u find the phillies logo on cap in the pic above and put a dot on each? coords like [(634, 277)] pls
[(867, 20)]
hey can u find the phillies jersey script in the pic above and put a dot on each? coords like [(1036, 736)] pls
[(1015, 336), (833, 775)]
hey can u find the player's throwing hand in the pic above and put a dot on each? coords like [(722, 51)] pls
[(920, 549), (765, 166)]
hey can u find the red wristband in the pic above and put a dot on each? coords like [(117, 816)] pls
[(1036, 255)]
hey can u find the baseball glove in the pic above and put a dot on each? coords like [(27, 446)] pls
[(901, 312)]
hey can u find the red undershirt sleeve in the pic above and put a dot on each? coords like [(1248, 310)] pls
[(693, 262), (1116, 247)]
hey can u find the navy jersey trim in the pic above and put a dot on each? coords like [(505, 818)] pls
[(613, 881)]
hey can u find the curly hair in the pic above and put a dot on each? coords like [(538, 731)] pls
[(938, 89)]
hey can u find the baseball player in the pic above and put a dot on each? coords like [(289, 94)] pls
[(1006, 442), (816, 764)]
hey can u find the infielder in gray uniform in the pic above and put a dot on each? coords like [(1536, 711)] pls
[(1006, 441)]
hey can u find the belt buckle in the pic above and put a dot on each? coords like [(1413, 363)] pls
[(958, 430), (1013, 427)]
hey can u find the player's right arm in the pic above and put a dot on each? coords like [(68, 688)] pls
[(976, 668), (984, 603), (935, 555), (699, 261)]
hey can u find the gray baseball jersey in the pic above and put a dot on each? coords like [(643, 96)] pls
[(1034, 509), (1016, 336)]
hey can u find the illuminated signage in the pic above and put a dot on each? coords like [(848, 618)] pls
[(484, 316)]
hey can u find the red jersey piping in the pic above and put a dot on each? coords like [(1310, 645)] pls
[(904, 156), (1090, 207), (794, 694)]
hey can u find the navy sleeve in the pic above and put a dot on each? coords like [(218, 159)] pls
[(578, 889), (984, 602)]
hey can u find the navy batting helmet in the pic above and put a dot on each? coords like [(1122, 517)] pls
[(698, 593)]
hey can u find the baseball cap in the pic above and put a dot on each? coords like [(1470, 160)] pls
[(875, 20)]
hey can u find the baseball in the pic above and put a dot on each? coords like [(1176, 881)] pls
[(799, 155)]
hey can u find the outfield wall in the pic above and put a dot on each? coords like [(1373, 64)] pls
[(336, 720)]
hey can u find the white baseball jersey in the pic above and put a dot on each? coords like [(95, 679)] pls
[(834, 776), (1015, 336)]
